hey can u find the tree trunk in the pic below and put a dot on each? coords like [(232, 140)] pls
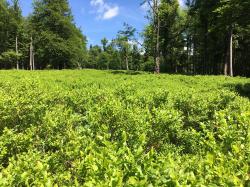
[(31, 54), (226, 57), (157, 25), (127, 66), (188, 50), (17, 63), (205, 60), (33, 60), (231, 51), (225, 69), (107, 65)]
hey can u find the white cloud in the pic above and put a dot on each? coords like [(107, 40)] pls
[(97, 2), (110, 13), (105, 10)]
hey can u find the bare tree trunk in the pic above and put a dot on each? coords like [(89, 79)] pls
[(226, 57), (157, 33), (205, 57), (33, 60), (231, 52), (158, 48), (31, 53), (17, 63), (126, 59), (225, 69), (154, 6), (188, 49)]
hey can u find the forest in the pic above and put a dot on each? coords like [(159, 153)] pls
[(203, 37)]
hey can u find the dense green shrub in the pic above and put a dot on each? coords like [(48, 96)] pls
[(98, 128)]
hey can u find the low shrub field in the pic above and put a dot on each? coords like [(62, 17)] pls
[(104, 128)]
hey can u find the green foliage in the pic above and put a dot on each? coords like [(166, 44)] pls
[(9, 58), (120, 53), (58, 42), (11, 28), (209, 28), (149, 65), (106, 128), (193, 39)]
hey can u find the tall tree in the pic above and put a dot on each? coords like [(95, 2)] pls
[(58, 43), (168, 42), (215, 30), (154, 17), (17, 19), (4, 25), (10, 30), (104, 42), (124, 39), (232, 14), (171, 34)]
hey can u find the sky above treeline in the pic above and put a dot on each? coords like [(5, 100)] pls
[(102, 18)]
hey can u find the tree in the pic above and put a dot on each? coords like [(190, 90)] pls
[(104, 42), (58, 43), (115, 59), (16, 21), (11, 32), (4, 25), (154, 17), (8, 58), (136, 58), (230, 14), (124, 39), (215, 31), (164, 36), (94, 56), (172, 42)]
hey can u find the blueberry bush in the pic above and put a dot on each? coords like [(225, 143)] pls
[(100, 128)]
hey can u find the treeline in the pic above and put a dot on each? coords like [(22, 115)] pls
[(47, 39), (204, 37), (123, 52)]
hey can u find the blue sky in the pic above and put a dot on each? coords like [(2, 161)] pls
[(101, 18)]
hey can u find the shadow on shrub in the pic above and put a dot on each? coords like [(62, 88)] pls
[(241, 89), (126, 72)]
